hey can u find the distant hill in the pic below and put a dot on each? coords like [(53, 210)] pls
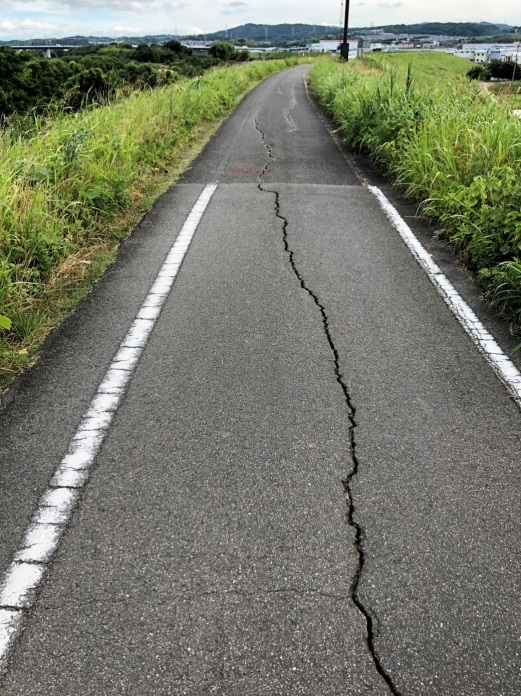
[(281, 34), (85, 40), (285, 33), (466, 29), (498, 38), (272, 33)]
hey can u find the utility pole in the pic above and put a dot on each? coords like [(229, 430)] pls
[(344, 46), (515, 67)]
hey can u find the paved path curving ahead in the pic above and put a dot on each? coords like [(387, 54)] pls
[(303, 477)]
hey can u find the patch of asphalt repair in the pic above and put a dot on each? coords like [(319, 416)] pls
[(370, 618)]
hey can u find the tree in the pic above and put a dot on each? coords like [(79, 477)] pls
[(90, 86), (222, 51), (479, 72), (504, 71), (144, 54), (177, 48), (13, 76)]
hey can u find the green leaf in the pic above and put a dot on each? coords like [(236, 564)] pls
[(5, 322)]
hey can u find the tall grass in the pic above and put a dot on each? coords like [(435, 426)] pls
[(456, 151), (70, 184)]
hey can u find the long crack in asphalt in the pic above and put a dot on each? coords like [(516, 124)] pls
[(351, 410)]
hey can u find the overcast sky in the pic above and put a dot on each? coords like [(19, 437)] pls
[(56, 18)]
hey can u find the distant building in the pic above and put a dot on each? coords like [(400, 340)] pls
[(484, 53), (514, 57), (469, 55), (333, 46), (480, 57), (407, 46)]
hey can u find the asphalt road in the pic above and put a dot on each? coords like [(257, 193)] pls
[(312, 485)]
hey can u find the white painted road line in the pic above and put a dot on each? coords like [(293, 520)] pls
[(482, 338), (41, 539)]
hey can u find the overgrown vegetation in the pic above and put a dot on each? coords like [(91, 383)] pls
[(72, 185), (507, 92), (454, 149), (73, 78)]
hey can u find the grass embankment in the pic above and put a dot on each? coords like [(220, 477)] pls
[(72, 187), (450, 147), (429, 68)]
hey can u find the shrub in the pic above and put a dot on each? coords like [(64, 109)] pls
[(177, 48), (223, 51), (479, 72), (89, 87)]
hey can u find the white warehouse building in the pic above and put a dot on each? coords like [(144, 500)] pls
[(333, 46), (484, 53)]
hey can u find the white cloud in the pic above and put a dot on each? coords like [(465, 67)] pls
[(119, 5), (36, 25), (127, 6), (126, 30), (6, 25)]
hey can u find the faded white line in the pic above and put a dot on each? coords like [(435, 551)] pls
[(482, 338), (41, 539)]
